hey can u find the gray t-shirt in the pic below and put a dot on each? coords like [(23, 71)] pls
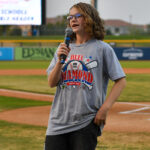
[(83, 85)]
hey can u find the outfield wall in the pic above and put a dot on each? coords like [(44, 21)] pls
[(30, 53), (132, 53), (7, 53), (46, 53), (26, 53)]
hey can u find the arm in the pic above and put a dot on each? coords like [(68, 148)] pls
[(55, 74), (115, 92)]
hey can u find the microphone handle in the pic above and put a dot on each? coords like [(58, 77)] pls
[(63, 56)]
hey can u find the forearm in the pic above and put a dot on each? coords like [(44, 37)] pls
[(114, 93), (55, 75)]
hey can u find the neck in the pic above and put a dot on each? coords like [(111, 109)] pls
[(81, 39)]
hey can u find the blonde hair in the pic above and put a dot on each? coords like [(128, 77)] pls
[(94, 25)]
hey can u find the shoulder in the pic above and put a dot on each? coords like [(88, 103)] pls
[(103, 45)]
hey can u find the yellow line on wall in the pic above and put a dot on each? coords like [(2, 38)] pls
[(59, 41), (31, 41)]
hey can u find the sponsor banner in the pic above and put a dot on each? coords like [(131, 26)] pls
[(133, 53), (6, 53), (22, 53), (20, 12)]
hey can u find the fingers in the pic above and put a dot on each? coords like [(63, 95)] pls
[(63, 49), (99, 121), (100, 118)]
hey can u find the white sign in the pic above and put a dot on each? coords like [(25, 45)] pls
[(20, 12), (132, 53)]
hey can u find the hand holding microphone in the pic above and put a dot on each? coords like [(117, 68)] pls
[(64, 48), (63, 52)]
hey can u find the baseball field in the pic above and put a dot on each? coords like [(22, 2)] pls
[(25, 104)]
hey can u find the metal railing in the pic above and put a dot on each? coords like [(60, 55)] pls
[(41, 42)]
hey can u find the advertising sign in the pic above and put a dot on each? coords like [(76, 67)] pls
[(6, 53), (20, 12), (133, 53), (34, 53)]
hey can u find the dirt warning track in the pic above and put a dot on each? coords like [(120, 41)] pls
[(43, 71)]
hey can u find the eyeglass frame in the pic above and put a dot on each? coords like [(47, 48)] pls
[(76, 16)]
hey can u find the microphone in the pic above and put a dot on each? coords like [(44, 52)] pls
[(68, 33)]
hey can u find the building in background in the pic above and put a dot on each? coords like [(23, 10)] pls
[(120, 27), (112, 26)]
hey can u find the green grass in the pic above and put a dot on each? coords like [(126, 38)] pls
[(61, 37), (124, 141), (7, 103), (15, 136), (37, 84), (44, 64), (137, 88), (135, 64), (127, 37), (24, 64), (55, 37), (21, 137)]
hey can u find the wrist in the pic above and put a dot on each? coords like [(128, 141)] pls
[(59, 63), (105, 107)]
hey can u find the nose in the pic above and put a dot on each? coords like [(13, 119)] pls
[(73, 19)]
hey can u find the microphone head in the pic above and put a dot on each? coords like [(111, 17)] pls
[(68, 31)]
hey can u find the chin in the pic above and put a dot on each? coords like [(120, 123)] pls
[(76, 31)]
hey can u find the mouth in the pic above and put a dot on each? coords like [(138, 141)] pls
[(75, 25)]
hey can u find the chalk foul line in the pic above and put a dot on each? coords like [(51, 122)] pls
[(137, 111)]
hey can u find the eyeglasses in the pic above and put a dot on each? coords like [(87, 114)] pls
[(76, 16)]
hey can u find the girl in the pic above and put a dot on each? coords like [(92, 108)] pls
[(80, 108)]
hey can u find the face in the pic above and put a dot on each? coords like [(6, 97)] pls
[(76, 21)]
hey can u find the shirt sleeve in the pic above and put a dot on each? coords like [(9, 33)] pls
[(52, 64), (112, 66)]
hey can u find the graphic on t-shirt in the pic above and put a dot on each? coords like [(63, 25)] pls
[(77, 71)]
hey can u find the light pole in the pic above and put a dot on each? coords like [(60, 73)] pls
[(94, 3)]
